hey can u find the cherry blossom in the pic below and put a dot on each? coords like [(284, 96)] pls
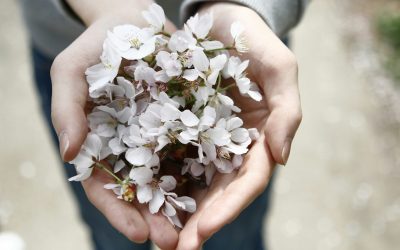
[(155, 17), (237, 30), (91, 149), (99, 75), (133, 42)]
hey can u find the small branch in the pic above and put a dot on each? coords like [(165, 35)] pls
[(164, 33), (220, 49), (226, 88), (105, 169)]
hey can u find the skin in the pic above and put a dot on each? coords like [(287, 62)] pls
[(68, 102), (277, 116)]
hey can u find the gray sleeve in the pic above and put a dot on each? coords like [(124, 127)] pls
[(65, 10), (280, 15)]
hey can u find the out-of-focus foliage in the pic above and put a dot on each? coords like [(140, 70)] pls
[(388, 27)]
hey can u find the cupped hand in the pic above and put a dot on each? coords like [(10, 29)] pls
[(273, 67), (69, 97)]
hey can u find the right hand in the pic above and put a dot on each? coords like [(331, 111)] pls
[(70, 91)]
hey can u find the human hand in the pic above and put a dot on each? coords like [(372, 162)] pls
[(273, 67), (69, 97)]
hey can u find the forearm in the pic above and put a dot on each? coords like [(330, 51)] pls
[(89, 10)]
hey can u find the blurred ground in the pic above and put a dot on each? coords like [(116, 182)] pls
[(339, 190)]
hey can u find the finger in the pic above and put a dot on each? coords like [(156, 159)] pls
[(122, 215), (283, 100), (189, 237), (69, 90), (251, 181), (162, 232), (276, 71)]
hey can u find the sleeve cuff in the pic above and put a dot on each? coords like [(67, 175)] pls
[(280, 15), (66, 11)]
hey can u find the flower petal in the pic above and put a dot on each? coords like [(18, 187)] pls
[(93, 144), (240, 135), (233, 123), (190, 74), (118, 166), (237, 29), (189, 119), (116, 146), (169, 113), (141, 175), (200, 60), (219, 136), (186, 203), (168, 183), (138, 156), (196, 169), (223, 166), (157, 201), (253, 133), (144, 193)]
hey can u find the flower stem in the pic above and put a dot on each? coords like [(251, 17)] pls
[(226, 88), (105, 169), (220, 49), (164, 33)]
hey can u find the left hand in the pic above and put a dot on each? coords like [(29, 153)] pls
[(277, 117)]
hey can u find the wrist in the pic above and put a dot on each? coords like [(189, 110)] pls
[(115, 11)]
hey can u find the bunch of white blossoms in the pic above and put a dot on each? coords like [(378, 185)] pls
[(160, 116)]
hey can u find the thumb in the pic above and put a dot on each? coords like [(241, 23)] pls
[(70, 91), (281, 127), (69, 94)]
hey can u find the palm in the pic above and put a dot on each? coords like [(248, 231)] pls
[(226, 190), (276, 117), (68, 111)]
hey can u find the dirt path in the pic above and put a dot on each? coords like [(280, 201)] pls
[(340, 189)]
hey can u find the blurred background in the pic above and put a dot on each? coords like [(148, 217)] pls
[(341, 186)]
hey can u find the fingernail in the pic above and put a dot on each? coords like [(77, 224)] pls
[(64, 143), (286, 151)]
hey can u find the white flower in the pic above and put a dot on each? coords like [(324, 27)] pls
[(207, 69), (128, 89), (104, 120), (181, 40), (139, 156), (132, 42), (193, 166), (183, 203), (201, 96), (155, 17), (91, 149), (169, 64), (142, 177), (216, 65), (102, 74), (235, 68), (200, 25), (196, 125), (237, 30), (116, 146), (188, 118), (144, 73), (239, 137), (158, 194), (151, 118)]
